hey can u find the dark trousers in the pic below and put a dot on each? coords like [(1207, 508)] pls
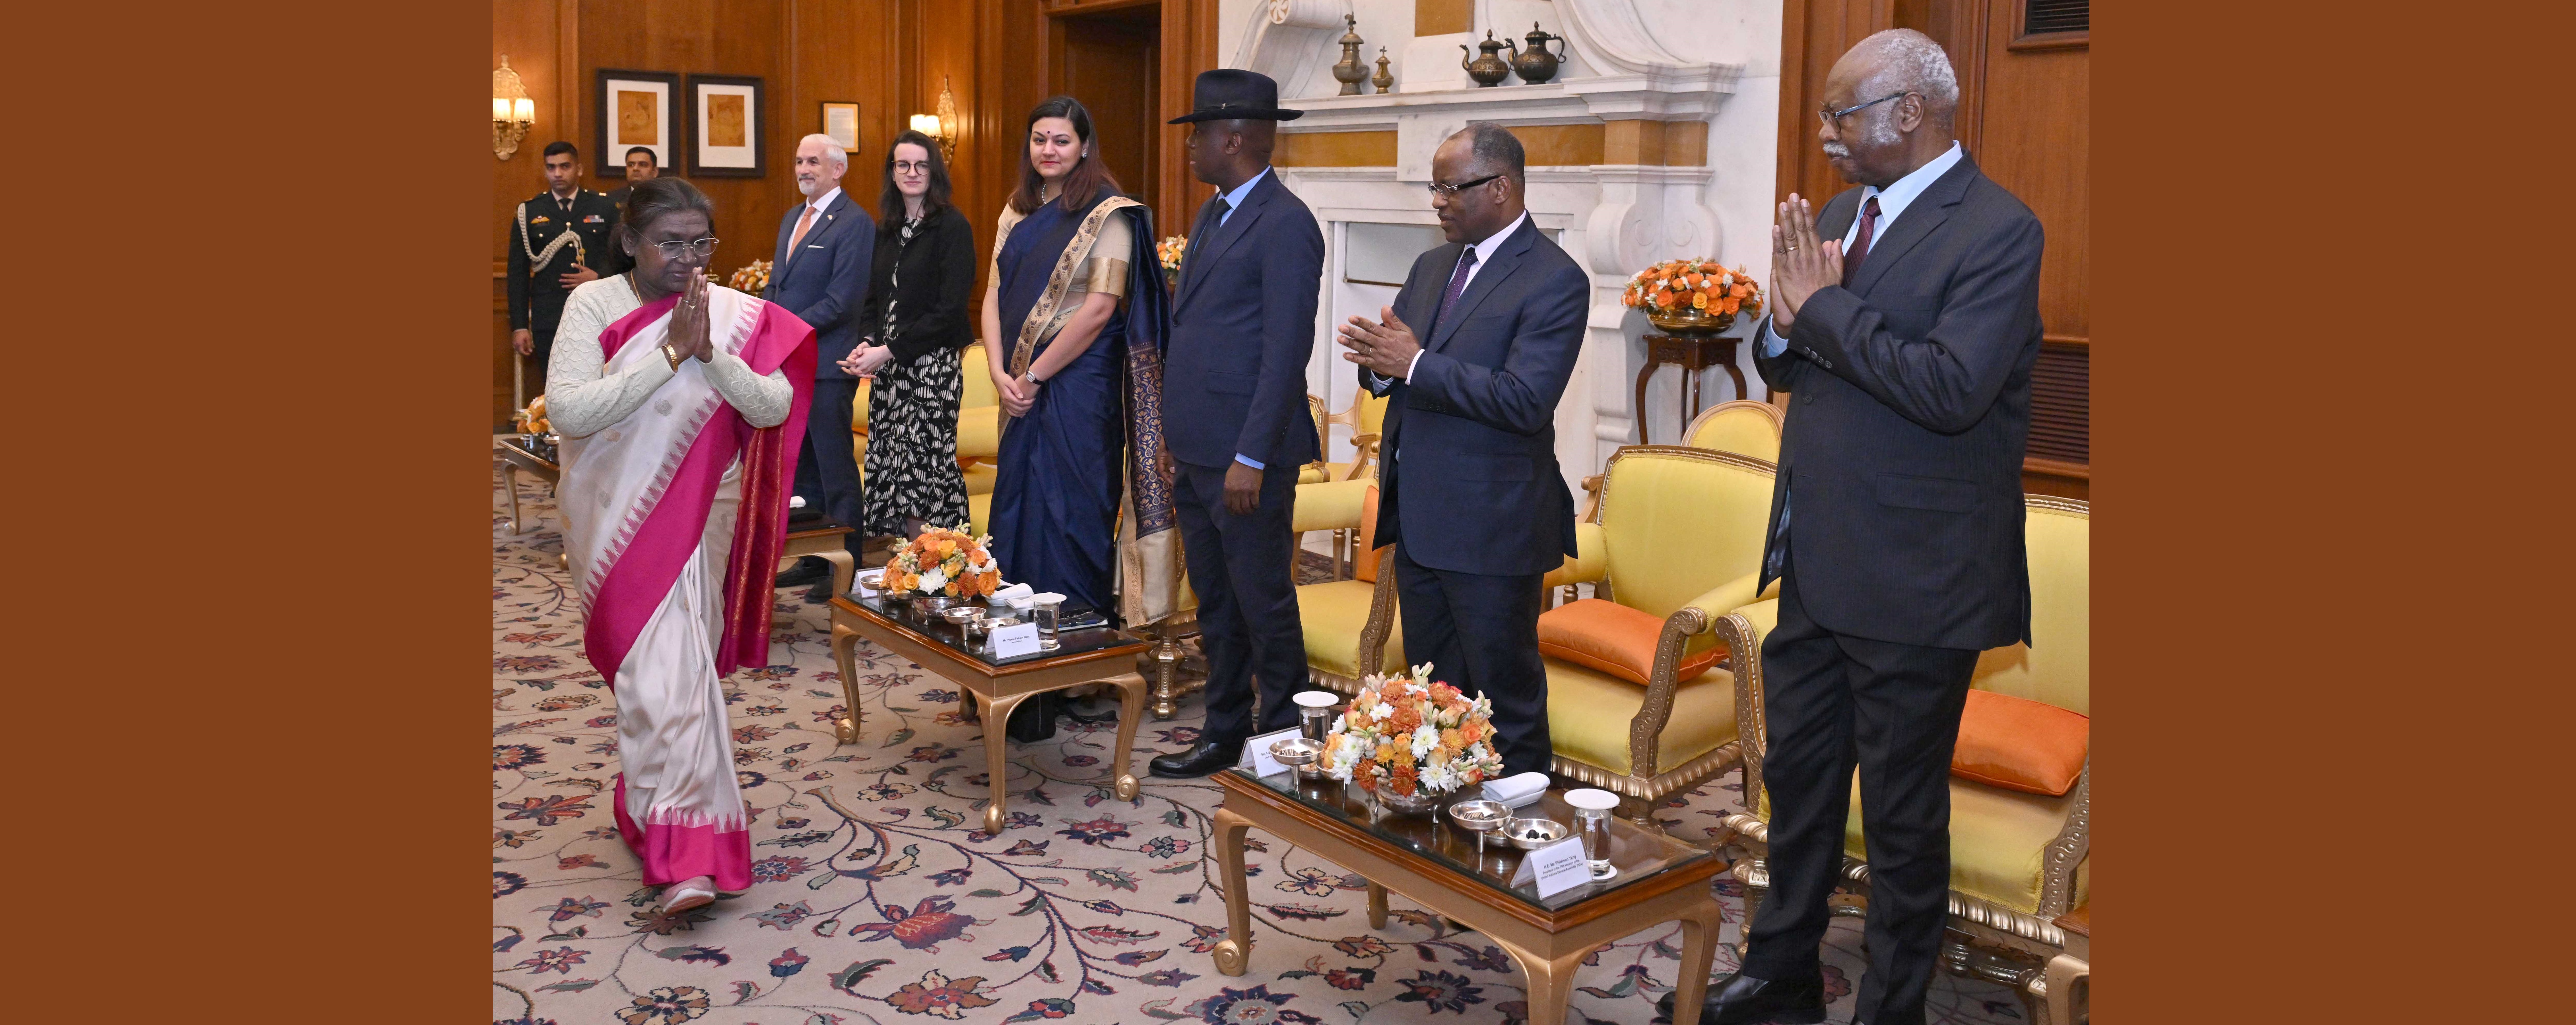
[(1241, 568), (1833, 702), (1479, 631), (827, 465)]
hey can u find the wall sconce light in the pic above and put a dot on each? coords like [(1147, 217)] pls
[(942, 125), (513, 113)]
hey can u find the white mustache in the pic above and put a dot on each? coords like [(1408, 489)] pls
[(1838, 150)]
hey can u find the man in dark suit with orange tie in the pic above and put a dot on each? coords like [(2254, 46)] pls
[(1905, 323), (1234, 411), (820, 273), (1474, 355)]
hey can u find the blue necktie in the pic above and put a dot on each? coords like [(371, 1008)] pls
[(1457, 285)]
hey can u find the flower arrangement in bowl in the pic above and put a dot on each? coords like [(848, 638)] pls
[(1168, 252), (1693, 296), (752, 278), (943, 563), (1410, 740)]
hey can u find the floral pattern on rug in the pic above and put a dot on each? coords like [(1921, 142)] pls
[(877, 897)]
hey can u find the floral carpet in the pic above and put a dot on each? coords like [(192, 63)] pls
[(876, 898)]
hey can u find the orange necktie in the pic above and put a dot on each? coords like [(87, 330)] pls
[(801, 224)]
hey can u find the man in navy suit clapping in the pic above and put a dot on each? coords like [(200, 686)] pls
[(1234, 410), (820, 273)]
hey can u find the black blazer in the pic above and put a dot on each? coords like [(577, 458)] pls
[(827, 283), (1909, 408), (930, 295), (1243, 327), (1467, 473)]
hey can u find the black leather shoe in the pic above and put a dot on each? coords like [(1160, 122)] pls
[(1745, 1000), (807, 570), (820, 594), (1208, 757)]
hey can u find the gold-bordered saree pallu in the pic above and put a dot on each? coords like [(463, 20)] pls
[(1149, 566), (673, 522)]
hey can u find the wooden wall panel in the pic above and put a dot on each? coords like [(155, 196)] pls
[(536, 35)]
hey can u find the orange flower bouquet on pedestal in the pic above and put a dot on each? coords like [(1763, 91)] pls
[(1693, 296), (1411, 739), (943, 563)]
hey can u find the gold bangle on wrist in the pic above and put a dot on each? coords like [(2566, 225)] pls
[(673, 355)]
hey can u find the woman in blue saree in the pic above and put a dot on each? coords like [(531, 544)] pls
[(1074, 324)]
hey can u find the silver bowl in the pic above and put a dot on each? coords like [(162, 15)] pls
[(1518, 832), (963, 614), (1296, 752), (870, 579), (1480, 816), (1415, 805)]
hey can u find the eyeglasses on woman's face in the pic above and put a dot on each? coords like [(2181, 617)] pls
[(677, 248), (912, 167)]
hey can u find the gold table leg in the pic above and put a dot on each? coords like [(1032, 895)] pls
[(842, 570), (845, 641), (1131, 707), (1377, 906), (510, 483), (997, 756), (1234, 952), (1699, 951), (1551, 983), (2060, 978)]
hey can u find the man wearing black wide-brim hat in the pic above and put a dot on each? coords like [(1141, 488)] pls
[(1234, 411)]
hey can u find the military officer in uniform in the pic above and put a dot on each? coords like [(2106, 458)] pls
[(640, 168), (558, 239)]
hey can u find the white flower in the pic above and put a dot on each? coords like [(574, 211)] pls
[(1383, 710), (932, 579), (1424, 739), (1438, 778)]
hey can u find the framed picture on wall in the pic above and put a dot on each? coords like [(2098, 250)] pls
[(725, 127), (841, 122), (636, 108)]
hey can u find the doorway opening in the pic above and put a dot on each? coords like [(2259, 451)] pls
[(1112, 61)]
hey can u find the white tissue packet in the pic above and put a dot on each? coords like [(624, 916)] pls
[(1517, 790), (796, 501), (1014, 594)]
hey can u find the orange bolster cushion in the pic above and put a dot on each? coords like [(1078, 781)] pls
[(1614, 639), (1366, 568), (2018, 744)]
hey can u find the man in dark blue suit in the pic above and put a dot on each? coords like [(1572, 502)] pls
[(820, 273), (1234, 410), (1471, 495)]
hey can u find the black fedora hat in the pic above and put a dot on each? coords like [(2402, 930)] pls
[(1229, 93)]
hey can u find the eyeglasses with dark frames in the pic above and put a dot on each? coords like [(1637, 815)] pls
[(1835, 117), (1446, 191), (908, 166)]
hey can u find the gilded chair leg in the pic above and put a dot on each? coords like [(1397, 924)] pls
[(2061, 979), (1755, 874)]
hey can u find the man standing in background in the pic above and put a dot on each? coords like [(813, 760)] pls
[(640, 168), (558, 240), (826, 246)]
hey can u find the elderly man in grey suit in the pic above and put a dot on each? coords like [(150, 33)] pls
[(1470, 494), (1905, 325)]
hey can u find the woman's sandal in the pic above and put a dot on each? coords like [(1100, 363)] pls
[(689, 893)]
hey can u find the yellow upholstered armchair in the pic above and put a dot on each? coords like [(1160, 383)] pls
[(2018, 858), (1638, 702), (1350, 625), (979, 432), (1743, 427)]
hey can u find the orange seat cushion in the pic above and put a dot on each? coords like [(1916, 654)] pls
[(2016, 743), (1366, 569), (1612, 638)]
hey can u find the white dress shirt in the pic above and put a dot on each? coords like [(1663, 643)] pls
[(1892, 202), (1484, 254)]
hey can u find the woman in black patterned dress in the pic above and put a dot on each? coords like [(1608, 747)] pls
[(925, 269)]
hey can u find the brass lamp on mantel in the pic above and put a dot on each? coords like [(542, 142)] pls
[(513, 113), (942, 125)]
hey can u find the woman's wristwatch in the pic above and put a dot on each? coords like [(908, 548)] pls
[(1031, 376)]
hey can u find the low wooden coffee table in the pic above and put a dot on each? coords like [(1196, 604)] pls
[(518, 456), (1435, 864), (1099, 655)]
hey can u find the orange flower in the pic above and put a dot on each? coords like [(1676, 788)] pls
[(1731, 305), (1452, 740), (1699, 300)]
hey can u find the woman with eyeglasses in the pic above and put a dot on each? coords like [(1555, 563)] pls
[(680, 403), (1076, 317), (924, 272)]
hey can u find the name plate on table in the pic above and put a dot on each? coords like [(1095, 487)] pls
[(1015, 640), (1558, 867), (1256, 752)]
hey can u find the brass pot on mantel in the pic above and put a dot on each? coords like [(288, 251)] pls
[(1693, 322), (1535, 64), (1489, 70)]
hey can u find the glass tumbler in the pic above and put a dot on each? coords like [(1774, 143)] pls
[(1044, 614), (1315, 722), (1592, 823)]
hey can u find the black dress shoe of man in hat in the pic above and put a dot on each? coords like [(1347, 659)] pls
[(1229, 94), (1744, 1000)]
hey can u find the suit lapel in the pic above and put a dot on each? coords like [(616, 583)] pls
[(1507, 258), (823, 222), (1190, 261), (1927, 212), (1229, 233)]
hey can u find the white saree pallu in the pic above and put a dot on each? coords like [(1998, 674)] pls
[(673, 520)]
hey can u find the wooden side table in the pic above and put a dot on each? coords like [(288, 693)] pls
[(1692, 353)]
